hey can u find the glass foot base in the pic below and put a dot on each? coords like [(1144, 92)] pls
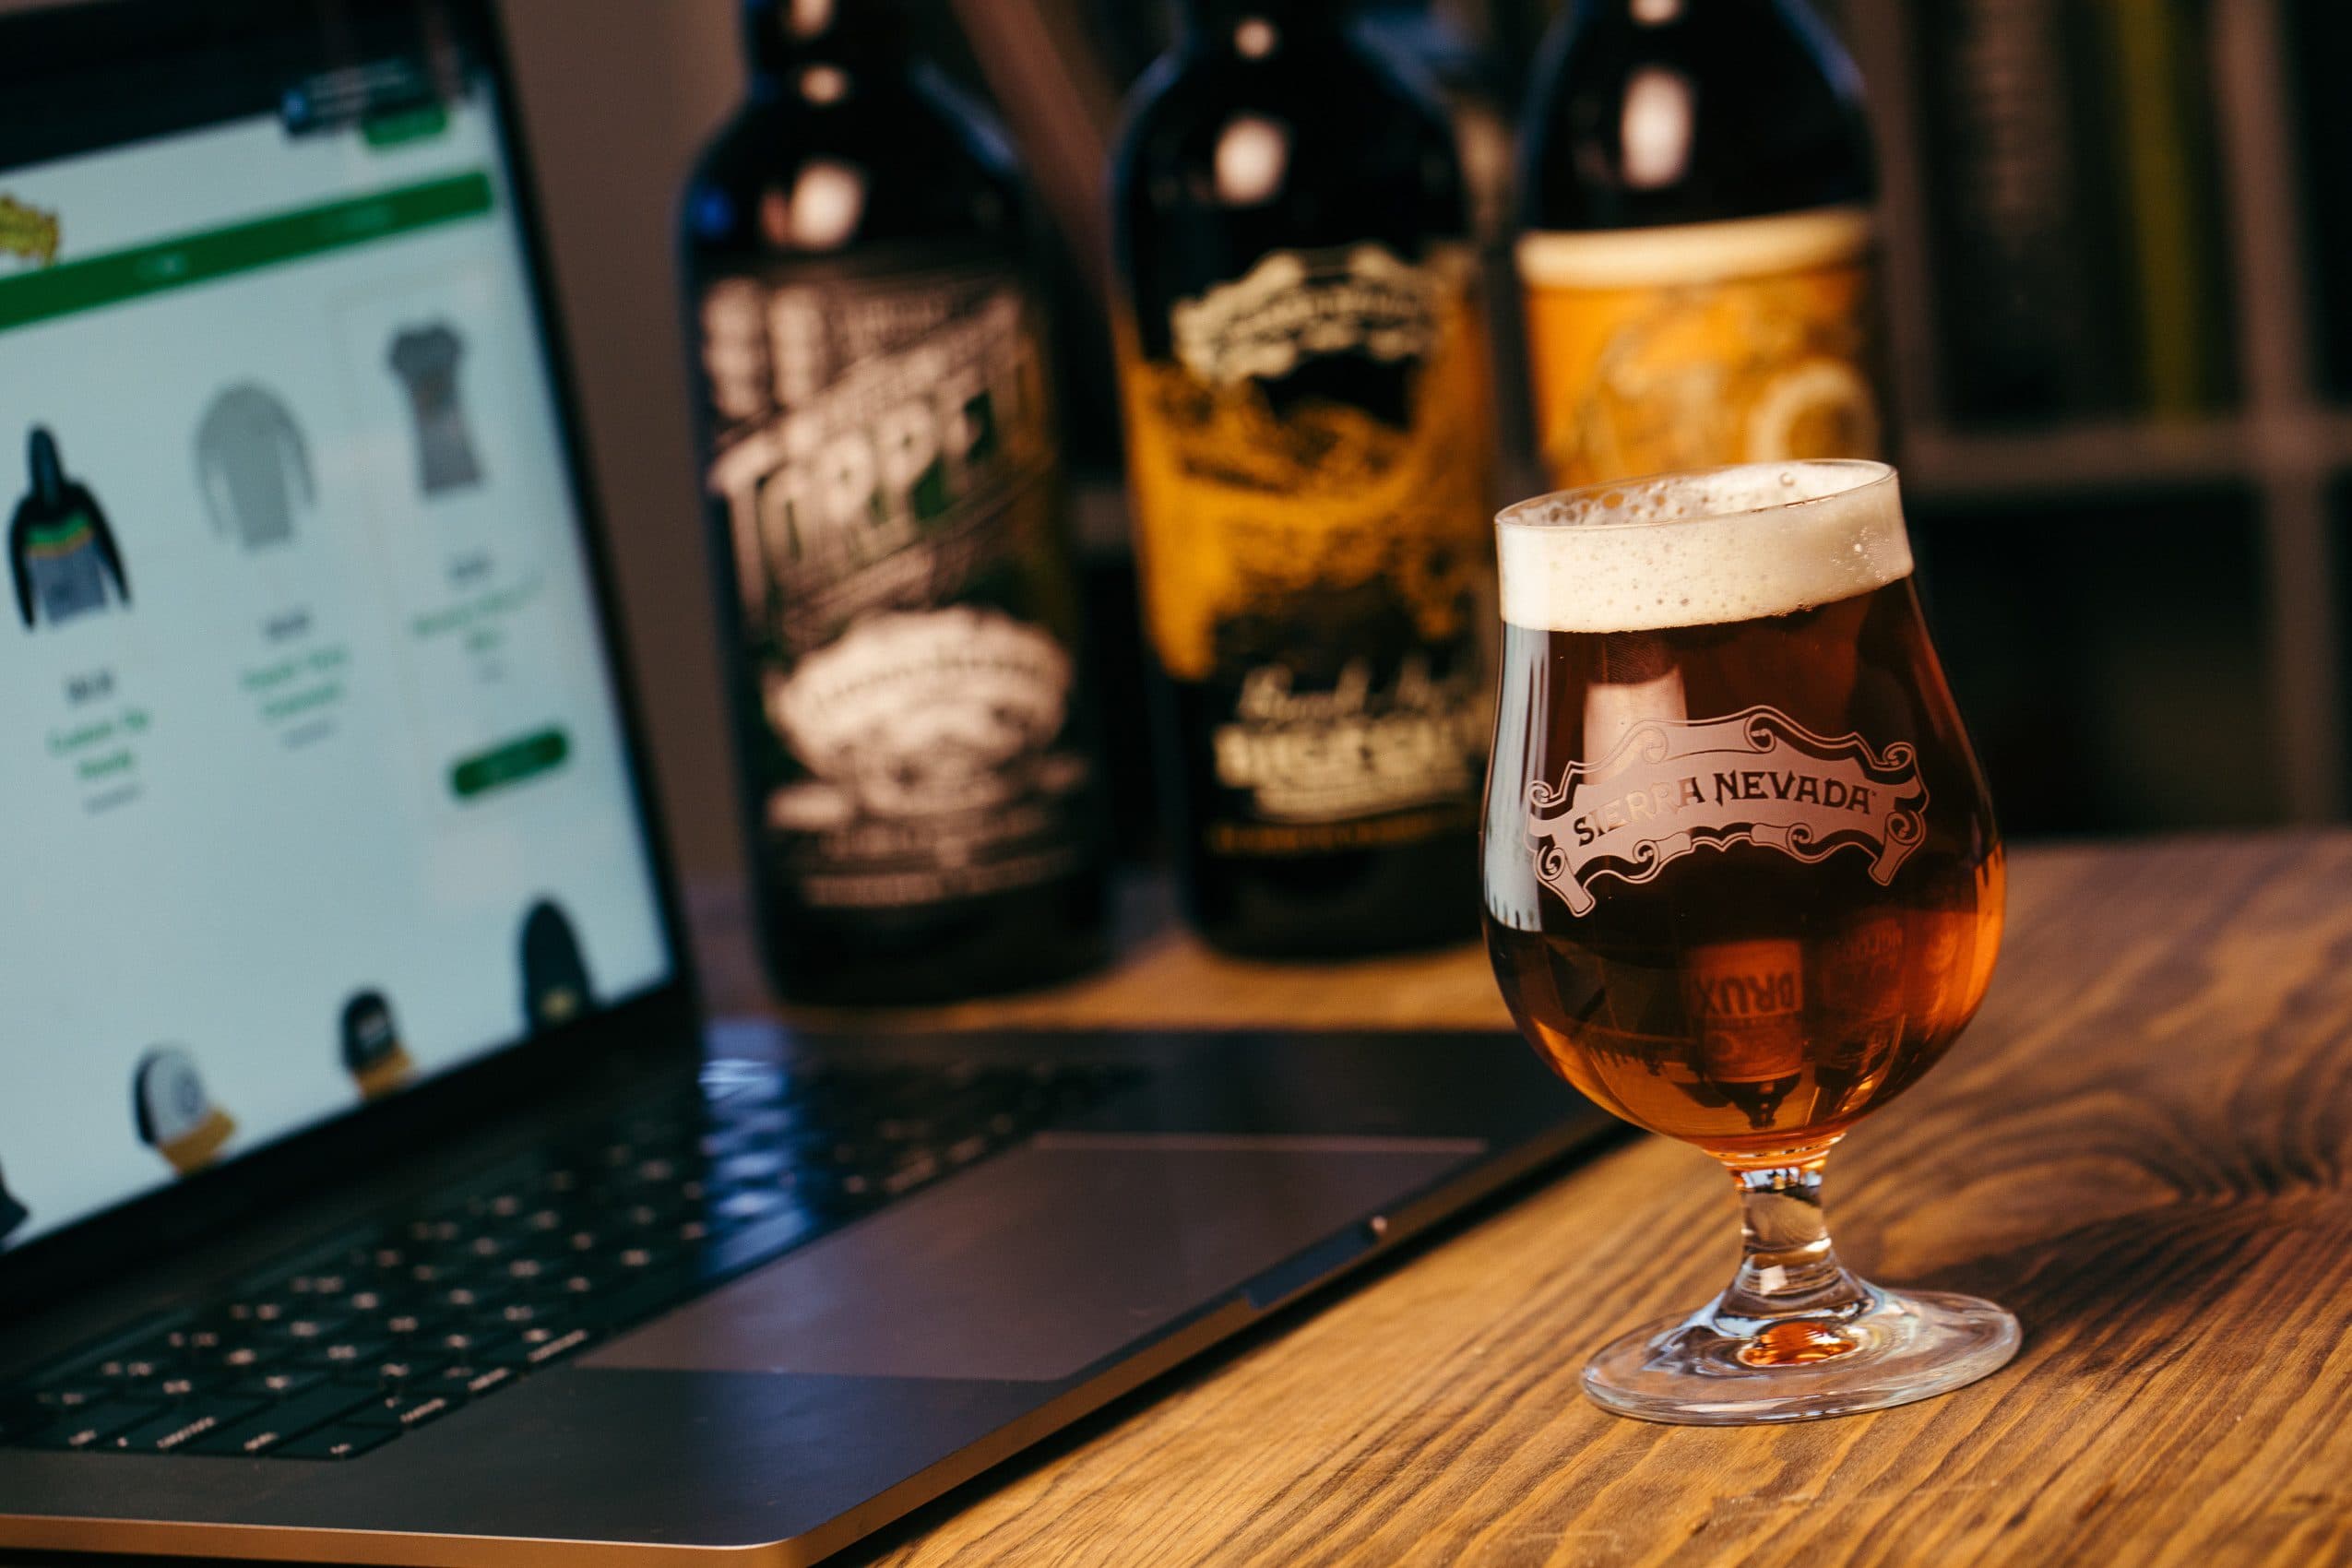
[(1714, 1370)]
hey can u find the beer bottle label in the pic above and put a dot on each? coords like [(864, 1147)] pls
[(1657, 350), (884, 461), (1745, 1001), (1309, 468)]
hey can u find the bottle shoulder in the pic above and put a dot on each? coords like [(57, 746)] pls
[(1741, 110), (1343, 123), (898, 162), (1222, 161)]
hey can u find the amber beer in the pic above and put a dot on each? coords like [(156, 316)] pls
[(1742, 880)]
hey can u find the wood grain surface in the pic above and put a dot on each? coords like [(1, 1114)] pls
[(2140, 1146)]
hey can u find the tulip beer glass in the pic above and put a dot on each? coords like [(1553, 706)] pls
[(1742, 887)]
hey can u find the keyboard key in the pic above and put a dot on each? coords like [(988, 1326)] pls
[(344, 1352), (469, 1299), (337, 1442), (274, 1425), (181, 1425), (468, 1382), (394, 1372), (133, 1370), (93, 1424), (404, 1412), (73, 1396), (282, 1383), (312, 1330)]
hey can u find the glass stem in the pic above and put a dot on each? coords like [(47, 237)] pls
[(1789, 1268)]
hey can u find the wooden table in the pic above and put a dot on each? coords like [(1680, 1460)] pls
[(2140, 1146)]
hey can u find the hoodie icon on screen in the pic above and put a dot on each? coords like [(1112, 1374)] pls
[(173, 1113), (61, 552), (372, 1049), (555, 977)]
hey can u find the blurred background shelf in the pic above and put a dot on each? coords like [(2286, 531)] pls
[(2132, 517), (2105, 456)]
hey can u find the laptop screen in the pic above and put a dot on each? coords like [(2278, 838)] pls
[(315, 782)]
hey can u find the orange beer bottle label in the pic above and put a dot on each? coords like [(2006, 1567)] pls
[(1685, 345)]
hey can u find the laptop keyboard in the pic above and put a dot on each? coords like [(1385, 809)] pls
[(399, 1322)]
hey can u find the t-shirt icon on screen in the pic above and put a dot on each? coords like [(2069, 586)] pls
[(12, 1213), (173, 1113), (61, 552), (426, 361), (555, 977), (253, 467), (372, 1049)]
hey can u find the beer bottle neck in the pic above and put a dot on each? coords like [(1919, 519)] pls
[(1668, 13), (784, 36), (1262, 29)]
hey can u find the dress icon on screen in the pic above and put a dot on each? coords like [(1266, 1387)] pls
[(61, 551), (12, 1213), (555, 977), (426, 361), (372, 1049), (173, 1113), (253, 467)]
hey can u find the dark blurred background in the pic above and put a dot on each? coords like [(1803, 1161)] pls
[(2119, 279)]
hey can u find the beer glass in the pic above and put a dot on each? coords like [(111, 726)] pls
[(1742, 887)]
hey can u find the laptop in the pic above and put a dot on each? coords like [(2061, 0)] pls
[(372, 1189)]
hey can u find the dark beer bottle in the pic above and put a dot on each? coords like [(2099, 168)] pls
[(1697, 194), (885, 496), (1308, 422)]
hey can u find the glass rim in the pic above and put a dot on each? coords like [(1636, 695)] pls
[(1869, 475)]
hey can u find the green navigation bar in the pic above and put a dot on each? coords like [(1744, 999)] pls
[(509, 764), (102, 280)]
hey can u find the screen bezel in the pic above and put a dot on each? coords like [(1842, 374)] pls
[(656, 1025)]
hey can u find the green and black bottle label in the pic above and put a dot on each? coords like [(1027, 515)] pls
[(884, 461)]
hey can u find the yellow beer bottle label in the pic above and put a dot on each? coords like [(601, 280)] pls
[(1656, 350), (1309, 467)]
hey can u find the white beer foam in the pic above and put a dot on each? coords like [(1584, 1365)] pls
[(1702, 549)]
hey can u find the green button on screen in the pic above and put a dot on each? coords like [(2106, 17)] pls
[(421, 124), (509, 764)]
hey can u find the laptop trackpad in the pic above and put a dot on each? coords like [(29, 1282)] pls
[(1043, 1260)]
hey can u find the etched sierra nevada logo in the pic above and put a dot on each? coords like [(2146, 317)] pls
[(1757, 777)]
